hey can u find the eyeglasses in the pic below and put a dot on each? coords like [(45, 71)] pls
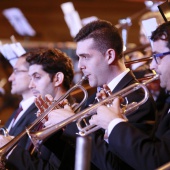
[(159, 56), (16, 72)]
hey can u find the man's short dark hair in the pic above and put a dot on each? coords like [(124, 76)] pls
[(53, 61), (104, 34), (162, 33)]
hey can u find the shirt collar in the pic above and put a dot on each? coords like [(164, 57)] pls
[(27, 103), (117, 79)]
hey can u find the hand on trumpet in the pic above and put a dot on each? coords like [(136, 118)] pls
[(5, 139), (43, 104), (58, 115), (104, 92), (106, 114)]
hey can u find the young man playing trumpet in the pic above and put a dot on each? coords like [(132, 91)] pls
[(143, 151), (25, 114)]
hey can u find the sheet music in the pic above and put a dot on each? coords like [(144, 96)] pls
[(149, 26), (72, 18), (19, 22), (18, 49), (9, 54)]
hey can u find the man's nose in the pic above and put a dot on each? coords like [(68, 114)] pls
[(81, 65), (153, 65), (31, 85), (11, 77)]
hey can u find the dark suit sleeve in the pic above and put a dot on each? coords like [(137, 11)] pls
[(21, 159), (26, 119), (138, 149), (102, 157)]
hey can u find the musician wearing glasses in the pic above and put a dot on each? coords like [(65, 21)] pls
[(142, 69), (133, 146), (50, 72), (25, 114), (100, 53)]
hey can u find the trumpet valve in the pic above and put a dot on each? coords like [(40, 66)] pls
[(108, 92)]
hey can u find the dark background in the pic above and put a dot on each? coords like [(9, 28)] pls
[(47, 18)]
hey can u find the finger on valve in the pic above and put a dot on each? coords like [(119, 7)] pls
[(103, 93), (100, 95), (49, 99), (39, 105), (107, 90), (42, 103)]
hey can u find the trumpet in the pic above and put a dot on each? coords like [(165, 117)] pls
[(4, 131), (127, 109), (128, 63), (39, 136), (10, 145)]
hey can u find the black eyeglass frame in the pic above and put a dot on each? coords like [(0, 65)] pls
[(155, 56)]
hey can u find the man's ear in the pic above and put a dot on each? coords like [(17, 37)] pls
[(58, 78), (110, 56)]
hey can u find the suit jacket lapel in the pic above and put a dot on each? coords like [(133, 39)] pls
[(10, 119), (23, 116), (165, 109), (126, 80)]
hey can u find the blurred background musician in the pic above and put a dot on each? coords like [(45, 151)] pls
[(51, 72), (142, 69), (144, 152), (25, 114), (11, 101)]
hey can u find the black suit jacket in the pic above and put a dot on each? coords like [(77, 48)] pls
[(138, 149), (141, 118), (146, 112), (26, 119), (20, 158), (63, 146)]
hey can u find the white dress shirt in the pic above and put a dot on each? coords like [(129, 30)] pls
[(25, 104), (117, 79)]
